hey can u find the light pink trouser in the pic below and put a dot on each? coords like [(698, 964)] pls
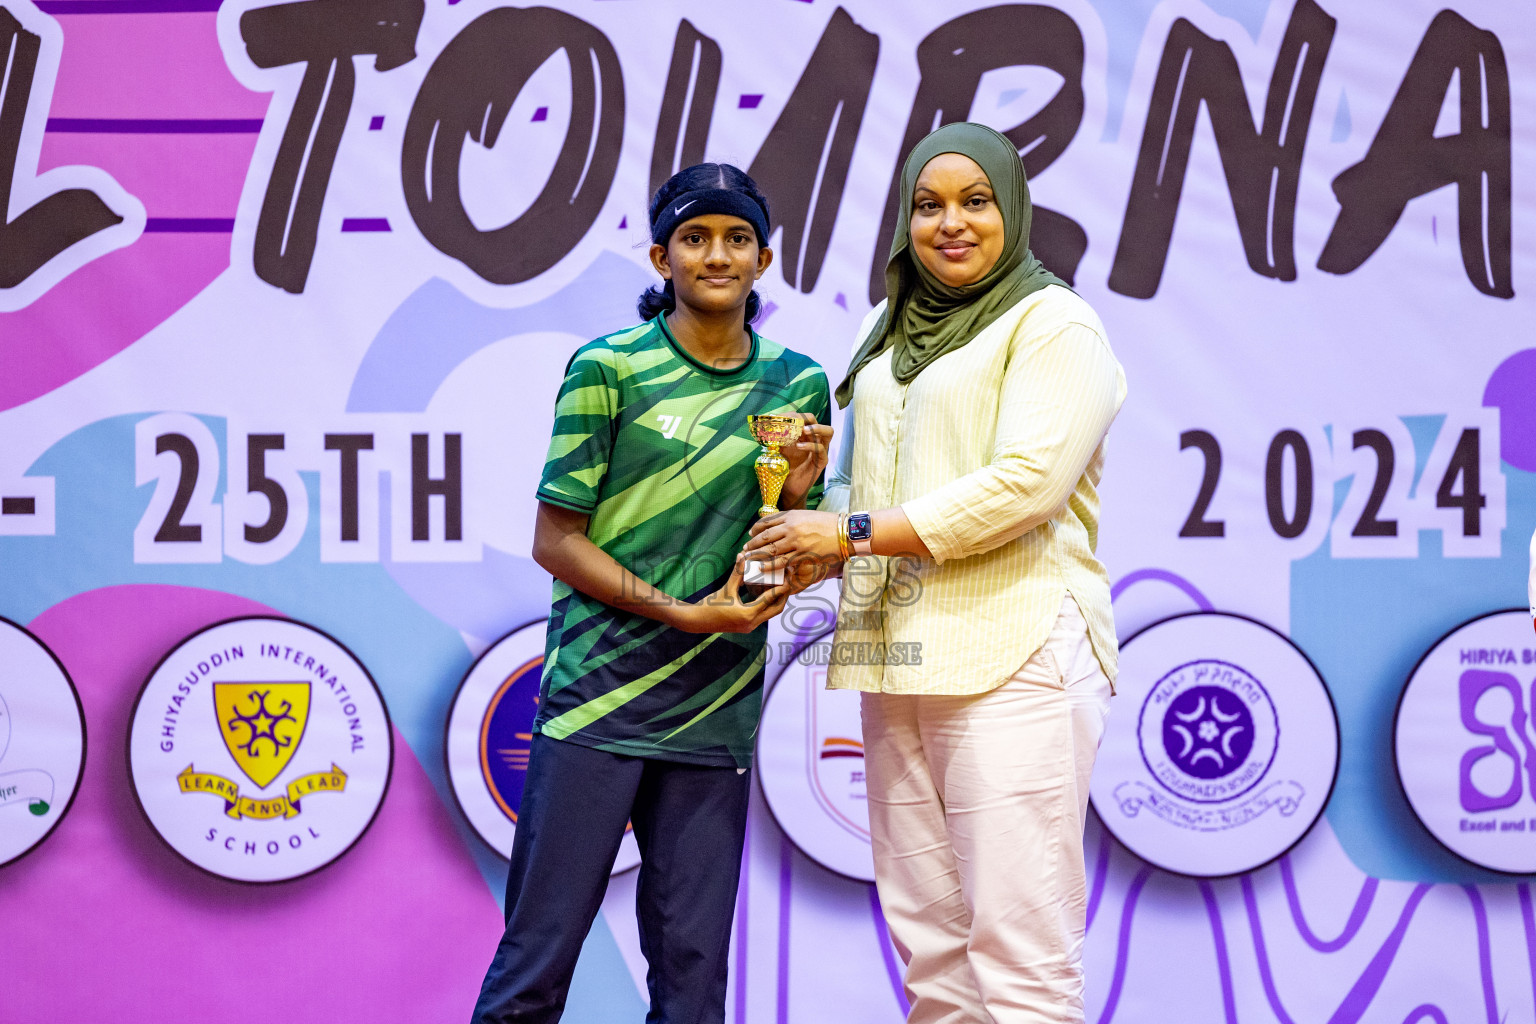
[(976, 807)]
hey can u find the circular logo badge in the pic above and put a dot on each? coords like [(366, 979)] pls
[(1208, 732), (1231, 750), (260, 749), (42, 741), (490, 736), (1465, 743), (810, 758)]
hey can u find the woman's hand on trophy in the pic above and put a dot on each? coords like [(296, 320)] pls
[(728, 611), (807, 459), (799, 539), (804, 573)]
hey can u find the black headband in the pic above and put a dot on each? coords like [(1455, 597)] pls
[(710, 200)]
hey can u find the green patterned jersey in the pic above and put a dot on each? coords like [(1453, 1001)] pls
[(653, 446)]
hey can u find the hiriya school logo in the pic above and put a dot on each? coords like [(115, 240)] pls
[(1465, 743), (42, 741), (810, 758), (1230, 754), (260, 749), (490, 737)]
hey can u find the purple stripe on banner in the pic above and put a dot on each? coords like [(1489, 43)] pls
[(1100, 875), (1167, 577), (190, 225), (156, 126), (1359, 997), (365, 224), (1528, 918), (1427, 1011), (743, 891), (1266, 976), (1484, 952), (127, 6), (1351, 927), (1123, 948), (786, 881), (1223, 965), (888, 952)]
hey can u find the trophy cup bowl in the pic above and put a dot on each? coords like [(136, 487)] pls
[(772, 432)]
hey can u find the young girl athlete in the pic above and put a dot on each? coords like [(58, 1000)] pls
[(653, 669)]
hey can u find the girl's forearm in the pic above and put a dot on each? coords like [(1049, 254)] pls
[(563, 549)]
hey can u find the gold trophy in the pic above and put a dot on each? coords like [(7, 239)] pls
[(772, 432)]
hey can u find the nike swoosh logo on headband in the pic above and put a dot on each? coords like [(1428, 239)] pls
[(677, 211)]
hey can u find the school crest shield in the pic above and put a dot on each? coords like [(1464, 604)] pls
[(262, 724)]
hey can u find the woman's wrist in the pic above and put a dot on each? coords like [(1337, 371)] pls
[(832, 547), (857, 532)]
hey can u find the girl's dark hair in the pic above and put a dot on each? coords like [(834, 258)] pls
[(656, 300)]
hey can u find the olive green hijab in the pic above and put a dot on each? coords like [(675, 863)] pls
[(925, 318)]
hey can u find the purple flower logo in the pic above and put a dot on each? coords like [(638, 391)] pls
[(1208, 732)]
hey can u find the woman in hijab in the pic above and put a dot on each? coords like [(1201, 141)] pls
[(975, 618)]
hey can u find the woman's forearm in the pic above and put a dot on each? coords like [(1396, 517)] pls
[(891, 533), (794, 537)]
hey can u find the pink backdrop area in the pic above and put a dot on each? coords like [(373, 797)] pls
[(111, 925), (164, 66)]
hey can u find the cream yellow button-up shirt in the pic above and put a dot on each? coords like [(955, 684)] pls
[(995, 452)]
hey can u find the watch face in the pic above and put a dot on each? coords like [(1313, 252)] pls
[(858, 527)]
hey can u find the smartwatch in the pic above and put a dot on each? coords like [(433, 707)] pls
[(859, 533)]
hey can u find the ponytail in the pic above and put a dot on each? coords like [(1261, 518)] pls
[(656, 301)]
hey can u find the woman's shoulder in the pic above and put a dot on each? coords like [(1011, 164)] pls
[(870, 321), (1052, 308)]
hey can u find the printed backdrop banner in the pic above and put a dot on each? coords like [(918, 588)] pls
[(286, 292)]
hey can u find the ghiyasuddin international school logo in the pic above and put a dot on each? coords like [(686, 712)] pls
[(489, 739), (262, 724), (1231, 754), (260, 749), (1465, 741), (42, 742)]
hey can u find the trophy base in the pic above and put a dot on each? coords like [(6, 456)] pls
[(753, 575)]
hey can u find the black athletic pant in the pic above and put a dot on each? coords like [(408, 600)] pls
[(689, 822)]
